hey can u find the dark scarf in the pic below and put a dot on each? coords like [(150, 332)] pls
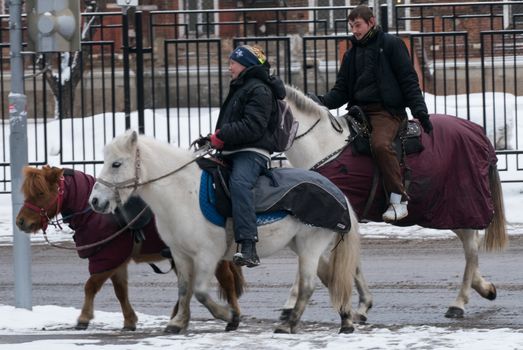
[(367, 37)]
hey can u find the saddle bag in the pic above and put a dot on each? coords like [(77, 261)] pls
[(220, 173), (129, 211), (408, 138)]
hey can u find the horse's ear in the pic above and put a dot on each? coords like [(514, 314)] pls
[(53, 174), (28, 171), (133, 138)]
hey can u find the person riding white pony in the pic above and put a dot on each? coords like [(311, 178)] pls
[(167, 179)]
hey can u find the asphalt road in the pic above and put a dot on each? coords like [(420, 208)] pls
[(413, 282)]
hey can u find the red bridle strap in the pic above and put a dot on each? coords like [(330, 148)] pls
[(44, 217)]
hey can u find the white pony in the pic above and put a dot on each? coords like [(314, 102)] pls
[(318, 142), (168, 181)]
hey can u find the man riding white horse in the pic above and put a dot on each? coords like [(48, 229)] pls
[(377, 75)]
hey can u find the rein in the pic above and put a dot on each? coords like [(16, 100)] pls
[(337, 127), (135, 182), (308, 130), (328, 157), (95, 244), (334, 123)]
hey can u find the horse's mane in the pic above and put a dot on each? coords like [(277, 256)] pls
[(120, 145), (304, 103), (35, 183)]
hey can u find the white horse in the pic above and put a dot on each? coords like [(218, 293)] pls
[(318, 142), (168, 180)]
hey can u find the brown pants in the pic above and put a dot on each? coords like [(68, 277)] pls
[(385, 126)]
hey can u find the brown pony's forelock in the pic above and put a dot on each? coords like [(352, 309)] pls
[(34, 183)]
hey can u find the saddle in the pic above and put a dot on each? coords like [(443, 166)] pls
[(219, 170), (307, 195), (407, 141)]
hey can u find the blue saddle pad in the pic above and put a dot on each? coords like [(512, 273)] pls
[(208, 205)]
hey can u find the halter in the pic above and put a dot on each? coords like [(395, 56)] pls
[(44, 217)]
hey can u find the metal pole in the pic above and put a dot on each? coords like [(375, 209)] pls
[(139, 72), (18, 156), (126, 67)]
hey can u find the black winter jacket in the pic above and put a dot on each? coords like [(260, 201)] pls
[(248, 116), (395, 77)]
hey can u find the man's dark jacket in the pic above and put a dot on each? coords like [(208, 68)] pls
[(392, 75), (248, 115)]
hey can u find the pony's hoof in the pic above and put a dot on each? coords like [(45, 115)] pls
[(81, 326), (455, 312), (285, 314), (359, 318), (173, 330), (129, 328), (492, 294), (283, 329), (235, 322), (346, 330)]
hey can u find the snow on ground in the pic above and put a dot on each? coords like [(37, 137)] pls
[(208, 334)]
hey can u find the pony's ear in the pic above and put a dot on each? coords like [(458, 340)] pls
[(53, 174), (133, 138), (28, 171)]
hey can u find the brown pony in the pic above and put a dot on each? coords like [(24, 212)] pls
[(50, 190)]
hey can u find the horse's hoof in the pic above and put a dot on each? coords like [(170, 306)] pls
[(81, 326), (455, 312), (173, 330), (283, 329), (359, 318), (235, 322), (285, 314), (346, 330), (492, 294), (129, 328)]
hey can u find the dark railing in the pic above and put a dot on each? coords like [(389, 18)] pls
[(177, 71)]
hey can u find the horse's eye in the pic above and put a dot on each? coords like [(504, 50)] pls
[(116, 164)]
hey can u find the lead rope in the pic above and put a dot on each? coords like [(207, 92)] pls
[(95, 244)]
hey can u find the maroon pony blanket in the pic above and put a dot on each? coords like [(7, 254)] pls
[(449, 179), (91, 227)]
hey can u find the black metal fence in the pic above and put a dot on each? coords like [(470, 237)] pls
[(168, 75)]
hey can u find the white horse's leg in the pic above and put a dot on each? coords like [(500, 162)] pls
[(291, 300), (471, 277), (180, 322), (203, 273), (307, 267), (365, 296), (309, 246)]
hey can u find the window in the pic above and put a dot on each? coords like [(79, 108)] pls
[(333, 18), (199, 22)]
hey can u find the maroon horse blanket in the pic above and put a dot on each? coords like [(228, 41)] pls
[(91, 227), (449, 179)]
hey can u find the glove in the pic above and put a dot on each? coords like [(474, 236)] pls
[(425, 122), (215, 140), (315, 98), (201, 141)]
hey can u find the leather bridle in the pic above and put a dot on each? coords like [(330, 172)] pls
[(43, 212), (135, 182)]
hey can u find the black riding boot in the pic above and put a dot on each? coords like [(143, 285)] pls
[(247, 256)]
